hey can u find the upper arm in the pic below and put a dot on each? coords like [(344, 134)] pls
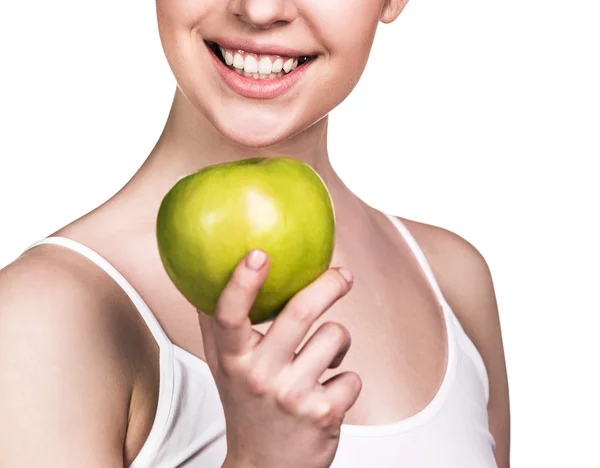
[(466, 282), (63, 393)]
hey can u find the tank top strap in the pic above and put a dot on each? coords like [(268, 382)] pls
[(457, 337), (420, 256), (147, 315)]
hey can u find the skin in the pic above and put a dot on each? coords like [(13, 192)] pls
[(77, 351)]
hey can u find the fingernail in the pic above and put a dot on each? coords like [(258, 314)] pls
[(256, 259), (347, 274)]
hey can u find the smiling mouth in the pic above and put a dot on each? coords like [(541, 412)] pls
[(258, 66)]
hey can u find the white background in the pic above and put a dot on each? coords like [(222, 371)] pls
[(482, 117)]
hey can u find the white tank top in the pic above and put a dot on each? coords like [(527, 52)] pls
[(189, 426)]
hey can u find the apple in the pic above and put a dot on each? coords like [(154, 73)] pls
[(209, 221)]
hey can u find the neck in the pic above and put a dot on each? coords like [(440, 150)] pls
[(189, 142)]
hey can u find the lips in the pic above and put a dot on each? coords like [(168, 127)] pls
[(258, 75)]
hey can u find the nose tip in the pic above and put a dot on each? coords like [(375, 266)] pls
[(264, 14)]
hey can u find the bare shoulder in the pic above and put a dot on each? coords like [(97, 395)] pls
[(460, 269), (466, 282), (54, 292), (61, 365)]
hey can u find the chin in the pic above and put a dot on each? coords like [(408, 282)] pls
[(253, 132)]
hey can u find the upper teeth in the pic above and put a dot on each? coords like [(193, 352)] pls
[(262, 64)]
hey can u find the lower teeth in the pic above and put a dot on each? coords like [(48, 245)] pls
[(258, 76)]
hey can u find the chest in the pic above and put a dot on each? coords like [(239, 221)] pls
[(398, 345)]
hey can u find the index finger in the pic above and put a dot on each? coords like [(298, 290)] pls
[(232, 328)]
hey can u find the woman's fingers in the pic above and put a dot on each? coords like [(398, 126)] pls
[(293, 323), (208, 340), (232, 332), (328, 406), (342, 390), (325, 349)]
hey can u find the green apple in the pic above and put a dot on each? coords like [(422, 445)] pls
[(211, 219)]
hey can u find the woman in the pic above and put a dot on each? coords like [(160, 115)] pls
[(102, 362)]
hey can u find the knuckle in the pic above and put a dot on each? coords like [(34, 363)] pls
[(336, 333), (225, 320), (227, 367), (290, 398), (258, 382), (339, 283), (300, 312), (325, 415)]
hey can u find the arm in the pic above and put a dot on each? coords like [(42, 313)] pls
[(466, 283), (63, 393)]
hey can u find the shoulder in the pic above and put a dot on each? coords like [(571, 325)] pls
[(466, 282), (56, 292), (61, 357), (464, 278), (460, 269)]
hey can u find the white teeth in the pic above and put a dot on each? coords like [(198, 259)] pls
[(265, 66), (227, 56), (250, 64), (277, 65), (287, 66), (238, 61)]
